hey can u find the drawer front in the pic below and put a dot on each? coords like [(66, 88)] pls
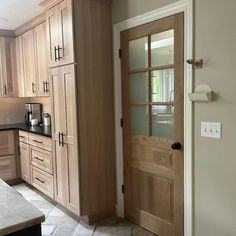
[(23, 136), (41, 159), (40, 141), (42, 181), (7, 143)]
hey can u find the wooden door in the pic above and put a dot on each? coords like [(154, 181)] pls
[(66, 44), (65, 137), (7, 143), (25, 162), (28, 49), (59, 126), (8, 68), (52, 21), (152, 84), (19, 67), (41, 60)]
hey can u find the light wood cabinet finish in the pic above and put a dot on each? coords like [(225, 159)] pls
[(7, 143), (42, 181), (65, 138), (23, 136), (19, 67), (9, 85), (25, 162), (41, 159), (40, 141), (41, 60), (7, 167), (29, 64), (60, 34)]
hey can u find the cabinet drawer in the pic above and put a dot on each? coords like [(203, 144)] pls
[(8, 167), (7, 143), (41, 159), (40, 141), (23, 136), (42, 181)]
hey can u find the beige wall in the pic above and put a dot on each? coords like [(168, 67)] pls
[(214, 160), (12, 110)]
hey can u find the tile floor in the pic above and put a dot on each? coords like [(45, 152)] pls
[(58, 223)]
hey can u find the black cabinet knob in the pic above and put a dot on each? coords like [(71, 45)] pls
[(176, 146)]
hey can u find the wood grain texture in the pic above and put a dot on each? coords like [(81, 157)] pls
[(153, 172), (25, 162), (93, 34)]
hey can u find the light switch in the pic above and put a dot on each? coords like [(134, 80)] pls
[(211, 130)]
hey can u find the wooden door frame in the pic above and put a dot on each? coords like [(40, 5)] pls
[(185, 6)]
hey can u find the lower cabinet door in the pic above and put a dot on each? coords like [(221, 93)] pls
[(8, 167), (25, 162), (42, 181)]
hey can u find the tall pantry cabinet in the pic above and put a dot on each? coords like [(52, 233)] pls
[(80, 60)]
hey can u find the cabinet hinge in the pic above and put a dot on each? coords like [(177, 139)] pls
[(120, 53), (121, 122), (123, 188)]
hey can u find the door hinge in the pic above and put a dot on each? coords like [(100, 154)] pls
[(121, 122), (120, 53), (123, 188)]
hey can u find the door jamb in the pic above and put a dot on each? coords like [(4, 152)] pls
[(185, 6)]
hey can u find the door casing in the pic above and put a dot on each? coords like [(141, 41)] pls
[(185, 6)]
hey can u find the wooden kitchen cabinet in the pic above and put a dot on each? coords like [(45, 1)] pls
[(8, 156), (25, 161), (8, 81), (34, 54), (82, 99), (65, 138), (29, 64), (19, 67), (60, 34)]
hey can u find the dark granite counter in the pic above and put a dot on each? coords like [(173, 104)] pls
[(41, 130)]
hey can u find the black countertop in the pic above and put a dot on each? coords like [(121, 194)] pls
[(41, 130)]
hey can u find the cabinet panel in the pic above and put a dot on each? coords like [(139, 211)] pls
[(41, 60), (25, 162), (29, 63), (7, 143), (40, 141), (52, 34), (7, 167), (9, 85), (19, 67), (23, 136)]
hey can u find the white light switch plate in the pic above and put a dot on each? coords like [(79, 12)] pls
[(211, 130)]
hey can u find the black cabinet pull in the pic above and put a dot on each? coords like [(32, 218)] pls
[(55, 53), (47, 87), (36, 141), (39, 159), (44, 85), (5, 89), (62, 139), (59, 52), (33, 88), (42, 181), (59, 134), (22, 136)]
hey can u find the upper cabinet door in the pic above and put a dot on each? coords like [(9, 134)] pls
[(60, 34), (19, 67), (29, 63), (9, 85), (41, 60)]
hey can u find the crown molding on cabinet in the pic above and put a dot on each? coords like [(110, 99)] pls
[(47, 4), (30, 24), (7, 33)]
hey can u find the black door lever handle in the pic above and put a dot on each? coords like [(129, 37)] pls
[(176, 146)]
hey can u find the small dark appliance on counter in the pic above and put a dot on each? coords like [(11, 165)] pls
[(33, 111)]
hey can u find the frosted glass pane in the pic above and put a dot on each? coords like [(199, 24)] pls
[(163, 121), (139, 88), (163, 85), (138, 53), (139, 120), (162, 48)]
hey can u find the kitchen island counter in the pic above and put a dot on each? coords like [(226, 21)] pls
[(17, 214)]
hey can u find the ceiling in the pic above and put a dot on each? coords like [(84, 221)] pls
[(14, 13)]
